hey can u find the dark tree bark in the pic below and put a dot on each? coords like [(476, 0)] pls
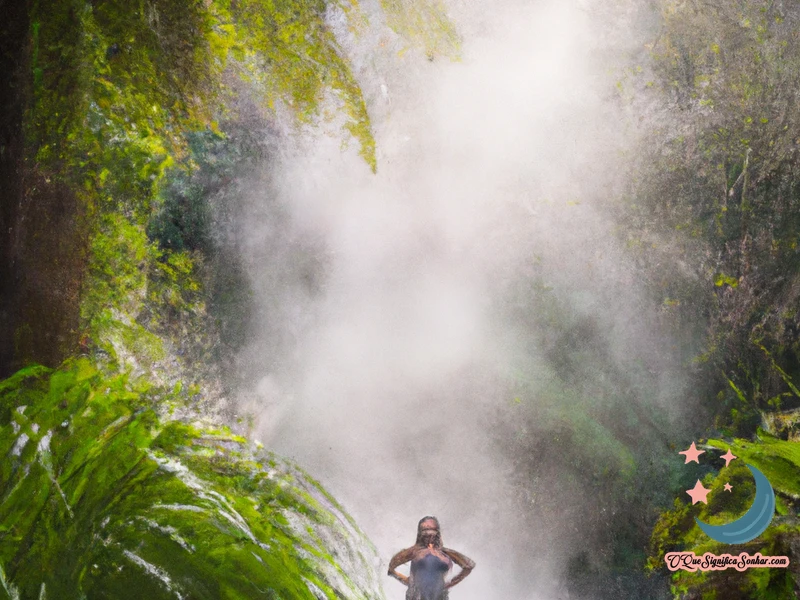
[(14, 39), (42, 227)]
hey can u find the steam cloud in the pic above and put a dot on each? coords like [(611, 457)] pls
[(387, 323)]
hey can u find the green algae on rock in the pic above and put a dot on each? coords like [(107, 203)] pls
[(104, 496)]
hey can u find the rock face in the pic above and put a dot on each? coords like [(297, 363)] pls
[(102, 496), (782, 424)]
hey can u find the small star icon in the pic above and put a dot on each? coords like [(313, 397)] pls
[(728, 456), (698, 493), (692, 454), (728, 487)]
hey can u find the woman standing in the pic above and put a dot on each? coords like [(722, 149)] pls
[(430, 562)]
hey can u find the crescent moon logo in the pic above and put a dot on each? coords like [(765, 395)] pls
[(751, 524)]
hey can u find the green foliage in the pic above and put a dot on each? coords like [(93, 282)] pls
[(126, 99), (105, 497), (103, 494), (424, 21), (140, 74), (116, 85), (716, 186), (136, 293), (198, 196), (182, 220), (577, 421), (778, 459)]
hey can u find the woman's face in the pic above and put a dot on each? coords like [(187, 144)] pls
[(428, 532)]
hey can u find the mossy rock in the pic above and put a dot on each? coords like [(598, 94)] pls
[(105, 497)]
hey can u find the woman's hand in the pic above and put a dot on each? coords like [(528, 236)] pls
[(400, 577)]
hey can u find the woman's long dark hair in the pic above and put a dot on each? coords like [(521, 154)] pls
[(438, 541)]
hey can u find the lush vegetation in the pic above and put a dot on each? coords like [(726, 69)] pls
[(132, 126), (712, 216), (124, 102), (105, 496), (131, 123)]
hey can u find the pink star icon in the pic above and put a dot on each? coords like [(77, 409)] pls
[(692, 454), (728, 487), (728, 456), (698, 493)]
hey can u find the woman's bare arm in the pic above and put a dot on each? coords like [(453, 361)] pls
[(466, 564), (398, 559)]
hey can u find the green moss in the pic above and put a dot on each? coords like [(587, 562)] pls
[(778, 459)]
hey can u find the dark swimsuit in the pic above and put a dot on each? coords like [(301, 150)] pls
[(427, 578)]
